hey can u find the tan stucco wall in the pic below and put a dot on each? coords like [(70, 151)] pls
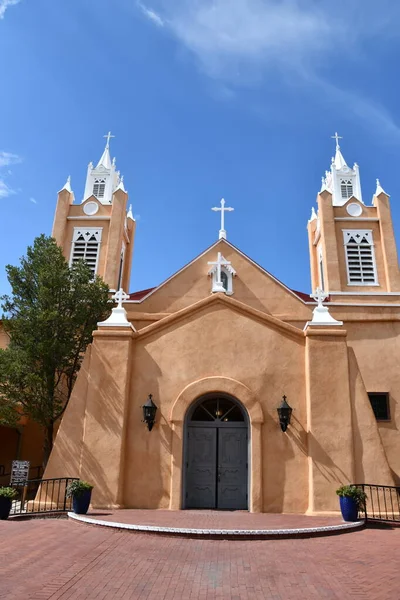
[(217, 341)]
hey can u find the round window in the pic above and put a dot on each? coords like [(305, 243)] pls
[(354, 209), (91, 208)]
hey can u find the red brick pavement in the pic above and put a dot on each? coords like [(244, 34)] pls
[(213, 519), (59, 559)]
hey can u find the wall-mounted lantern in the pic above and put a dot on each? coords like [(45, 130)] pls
[(284, 413), (149, 412)]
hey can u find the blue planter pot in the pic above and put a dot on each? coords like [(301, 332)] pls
[(349, 508), (80, 504), (5, 507)]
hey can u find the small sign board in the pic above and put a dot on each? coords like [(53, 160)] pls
[(20, 472)]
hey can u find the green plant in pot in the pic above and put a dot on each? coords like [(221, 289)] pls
[(81, 493), (7, 495), (352, 499)]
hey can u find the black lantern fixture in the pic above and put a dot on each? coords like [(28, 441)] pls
[(284, 413), (149, 412)]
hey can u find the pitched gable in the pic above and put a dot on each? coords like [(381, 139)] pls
[(252, 286)]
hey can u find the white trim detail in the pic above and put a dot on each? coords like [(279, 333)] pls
[(86, 245), (218, 532), (359, 219), (88, 218), (364, 293), (360, 257)]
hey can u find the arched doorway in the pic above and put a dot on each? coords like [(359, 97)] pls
[(216, 454)]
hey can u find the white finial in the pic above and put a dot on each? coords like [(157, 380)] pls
[(67, 185), (223, 209), (108, 136), (120, 185), (113, 161), (379, 189), (90, 165), (321, 315), (120, 296), (220, 262), (319, 295), (118, 317), (313, 214), (337, 138), (130, 214)]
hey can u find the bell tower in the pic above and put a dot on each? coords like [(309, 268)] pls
[(352, 245), (99, 230)]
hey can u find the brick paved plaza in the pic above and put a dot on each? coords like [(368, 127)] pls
[(44, 559)]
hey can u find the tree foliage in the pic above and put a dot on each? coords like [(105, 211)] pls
[(49, 316)]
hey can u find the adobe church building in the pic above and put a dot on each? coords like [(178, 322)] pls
[(219, 344)]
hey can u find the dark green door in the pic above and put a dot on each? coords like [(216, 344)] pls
[(232, 468), (216, 457)]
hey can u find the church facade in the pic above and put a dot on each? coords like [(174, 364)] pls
[(218, 345)]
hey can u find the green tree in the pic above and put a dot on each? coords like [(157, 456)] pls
[(49, 316)]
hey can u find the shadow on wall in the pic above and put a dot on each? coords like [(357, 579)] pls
[(371, 464), (105, 424), (147, 470)]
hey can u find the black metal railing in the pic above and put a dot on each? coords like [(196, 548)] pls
[(382, 503), (39, 496)]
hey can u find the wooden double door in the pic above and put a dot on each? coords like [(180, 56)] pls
[(217, 466)]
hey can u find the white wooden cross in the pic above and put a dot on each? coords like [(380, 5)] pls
[(337, 138), (220, 262), (108, 136), (319, 295), (120, 297), (223, 209)]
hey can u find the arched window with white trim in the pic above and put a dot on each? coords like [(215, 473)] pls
[(360, 257)]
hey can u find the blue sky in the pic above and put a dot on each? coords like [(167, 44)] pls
[(207, 99)]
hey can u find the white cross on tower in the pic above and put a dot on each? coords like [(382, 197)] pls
[(337, 137), (223, 209), (319, 295), (120, 297), (108, 136), (220, 262)]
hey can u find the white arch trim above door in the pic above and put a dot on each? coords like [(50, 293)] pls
[(246, 397)]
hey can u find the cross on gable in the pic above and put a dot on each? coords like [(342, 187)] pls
[(120, 297), (222, 210)]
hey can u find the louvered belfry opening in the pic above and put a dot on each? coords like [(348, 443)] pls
[(86, 246), (360, 259)]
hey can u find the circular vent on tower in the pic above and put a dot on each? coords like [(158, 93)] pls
[(91, 208), (354, 209)]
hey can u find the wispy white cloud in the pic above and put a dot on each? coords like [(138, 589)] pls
[(6, 159), (151, 14), (4, 4), (33, 200), (5, 190), (242, 41)]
